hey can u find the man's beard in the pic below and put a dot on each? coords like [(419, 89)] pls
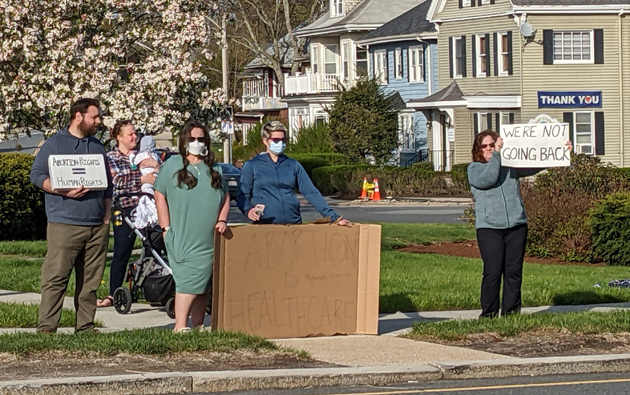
[(85, 129)]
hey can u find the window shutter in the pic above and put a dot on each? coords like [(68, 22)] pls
[(474, 55), (489, 120), (422, 61), (473, 3), (491, 1), (599, 45), (488, 72), (495, 58), (497, 122), (461, 3), (409, 55), (599, 133), (475, 124), (511, 117), (547, 46), (509, 49), (567, 117), (464, 55), (450, 57), (478, 2)]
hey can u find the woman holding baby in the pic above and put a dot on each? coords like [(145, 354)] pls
[(127, 178)]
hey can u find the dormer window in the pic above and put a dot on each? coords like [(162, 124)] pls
[(336, 8)]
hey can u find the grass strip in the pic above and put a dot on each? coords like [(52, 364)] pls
[(581, 322), (20, 315), (400, 235), (145, 341)]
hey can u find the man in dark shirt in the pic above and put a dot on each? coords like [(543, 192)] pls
[(78, 223)]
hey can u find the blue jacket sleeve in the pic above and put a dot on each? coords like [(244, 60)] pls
[(39, 170), (306, 188), (244, 198), (527, 172), (485, 175)]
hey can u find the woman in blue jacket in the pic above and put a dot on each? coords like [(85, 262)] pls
[(501, 224), (270, 180)]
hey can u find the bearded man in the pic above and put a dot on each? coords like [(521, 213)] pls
[(78, 223)]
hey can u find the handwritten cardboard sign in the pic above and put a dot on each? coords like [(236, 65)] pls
[(280, 281), (535, 145), (72, 171)]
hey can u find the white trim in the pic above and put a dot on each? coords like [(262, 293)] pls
[(436, 104), (591, 34), (337, 29), (472, 18), (477, 60), (500, 49), (454, 57), (383, 77), (573, 9), (333, 9), (394, 39), (398, 64), (494, 101)]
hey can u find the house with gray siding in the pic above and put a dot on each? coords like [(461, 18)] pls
[(403, 57)]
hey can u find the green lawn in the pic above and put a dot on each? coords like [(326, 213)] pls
[(18, 315), (146, 341), (583, 323)]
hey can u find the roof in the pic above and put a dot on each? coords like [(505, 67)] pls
[(368, 15), (569, 2), (411, 23), (449, 94)]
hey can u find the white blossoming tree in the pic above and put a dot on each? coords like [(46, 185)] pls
[(142, 59)]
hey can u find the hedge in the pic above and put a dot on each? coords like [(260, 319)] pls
[(313, 161), (22, 213)]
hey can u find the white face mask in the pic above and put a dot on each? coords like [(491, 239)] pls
[(197, 148)]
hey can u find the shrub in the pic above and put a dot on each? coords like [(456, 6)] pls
[(312, 139), (558, 204), (253, 145), (313, 161), (426, 166), (22, 213), (610, 225)]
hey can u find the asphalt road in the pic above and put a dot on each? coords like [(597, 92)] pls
[(394, 214), (592, 384)]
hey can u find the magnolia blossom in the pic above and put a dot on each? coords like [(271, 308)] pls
[(142, 59)]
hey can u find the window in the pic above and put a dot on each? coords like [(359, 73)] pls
[(484, 121), (405, 129), (336, 8), (584, 132), (398, 66), (330, 59), (361, 62), (482, 45), (346, 59), (466, 3), (380, 66), (416, 64), (315, 58), (459, 57), (573, 47), (503, 54)]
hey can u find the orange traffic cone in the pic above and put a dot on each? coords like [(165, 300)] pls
[(364, 189), (377, 193)]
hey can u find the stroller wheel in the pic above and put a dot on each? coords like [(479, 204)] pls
[(122, 300), (170, 308)]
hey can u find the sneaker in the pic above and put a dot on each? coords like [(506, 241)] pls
[(182, 330)]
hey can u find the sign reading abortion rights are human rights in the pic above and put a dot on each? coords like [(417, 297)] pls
[(72, 171), (535, 145)]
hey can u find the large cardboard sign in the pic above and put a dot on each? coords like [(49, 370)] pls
[(535, 145), (280, 281), (72, 171)]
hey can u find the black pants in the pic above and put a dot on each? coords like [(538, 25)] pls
[(502, 251), (124, 238)]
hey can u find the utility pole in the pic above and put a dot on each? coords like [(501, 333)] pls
[(227, 146)]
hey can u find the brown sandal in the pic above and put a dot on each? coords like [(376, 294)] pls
[(107, 302)]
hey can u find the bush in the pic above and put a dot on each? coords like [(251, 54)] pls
[(313, 161), (558, 204), (22, 213), (253, 145), (426, 166), (312, 139), (610, 225)]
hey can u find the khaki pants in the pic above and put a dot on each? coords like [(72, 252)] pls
[(84, 249)]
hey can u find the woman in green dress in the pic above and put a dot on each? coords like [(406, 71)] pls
[(192, 201)]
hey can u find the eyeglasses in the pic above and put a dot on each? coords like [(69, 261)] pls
[(277, 140), (484, 146), (200, 139)]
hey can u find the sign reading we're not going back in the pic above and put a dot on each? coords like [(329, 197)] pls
[(535, 145)]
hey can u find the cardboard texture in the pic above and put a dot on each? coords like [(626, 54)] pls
[(72, 171), (279, 281)]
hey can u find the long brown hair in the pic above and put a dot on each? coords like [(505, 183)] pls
[(186, 177), (477, 152)]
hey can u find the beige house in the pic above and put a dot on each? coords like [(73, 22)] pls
[(531, 61)]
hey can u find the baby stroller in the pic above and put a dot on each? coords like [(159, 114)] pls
[(149, 277)]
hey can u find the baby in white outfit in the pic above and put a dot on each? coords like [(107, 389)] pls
[(146, 212)]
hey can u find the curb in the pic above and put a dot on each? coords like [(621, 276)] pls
[(179, 382)]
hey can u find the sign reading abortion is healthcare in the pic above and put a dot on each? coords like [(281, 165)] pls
[(535, 145), (570, 99), (72, 171)]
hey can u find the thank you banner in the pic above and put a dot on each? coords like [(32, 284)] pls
[(588, 99), (72, 171), (535, 145)]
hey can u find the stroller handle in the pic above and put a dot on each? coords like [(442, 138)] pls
[(129, 194)]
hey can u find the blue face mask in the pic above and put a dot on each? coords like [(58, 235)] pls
[(277, 148)]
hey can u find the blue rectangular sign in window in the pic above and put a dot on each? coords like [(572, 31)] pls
[(587, 99)]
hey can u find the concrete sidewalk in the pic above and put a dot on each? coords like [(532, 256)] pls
[(374, 360)]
